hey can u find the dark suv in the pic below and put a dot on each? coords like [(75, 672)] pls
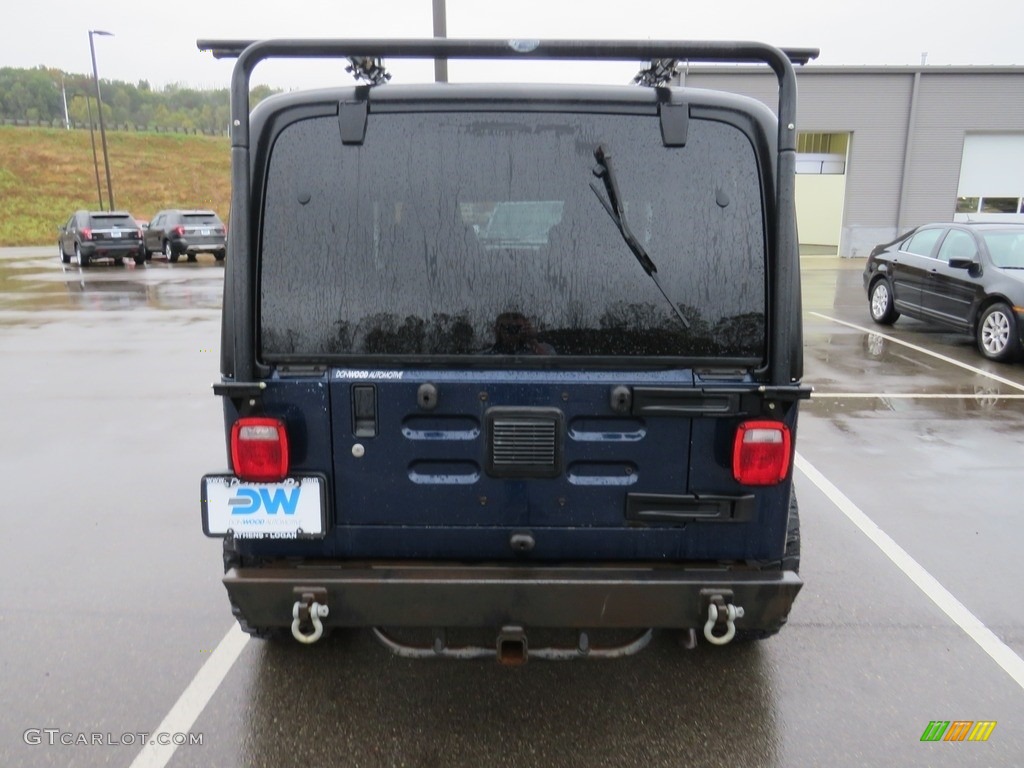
[(176, 233), (91, 235), (517, 358)]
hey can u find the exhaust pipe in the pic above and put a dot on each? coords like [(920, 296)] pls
[(512, 647)]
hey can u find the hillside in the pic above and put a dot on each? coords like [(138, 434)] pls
[(47, 173)]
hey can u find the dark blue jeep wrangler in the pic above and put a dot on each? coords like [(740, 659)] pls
[(510, 357)]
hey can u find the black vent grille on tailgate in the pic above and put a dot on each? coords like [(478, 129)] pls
[(524, 442)]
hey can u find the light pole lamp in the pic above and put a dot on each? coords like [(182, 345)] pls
[(99, 107)]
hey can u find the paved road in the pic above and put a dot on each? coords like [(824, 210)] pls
[(913, 524)]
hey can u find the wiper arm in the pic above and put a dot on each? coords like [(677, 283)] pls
[(613, 205)]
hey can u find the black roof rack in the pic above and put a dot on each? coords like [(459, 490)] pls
[(251, 52)]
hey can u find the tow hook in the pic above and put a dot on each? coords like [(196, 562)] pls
[(721, 613), (308, 610)]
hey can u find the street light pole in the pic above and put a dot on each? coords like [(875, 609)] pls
[(92, 138), (99, 107)]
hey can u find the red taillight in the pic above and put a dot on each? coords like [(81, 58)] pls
[(86, 233), (259, 449), (179, 231), (760, 453)]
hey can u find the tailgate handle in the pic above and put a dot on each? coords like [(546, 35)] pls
[(364, 410)]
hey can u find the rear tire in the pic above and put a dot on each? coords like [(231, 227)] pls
[(172, 257), (790, 561), (997, 334), (880, 303), (81, 258), (64, 258)]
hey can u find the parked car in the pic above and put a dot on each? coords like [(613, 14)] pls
[(968, 277), (176, 232), (91, 235)]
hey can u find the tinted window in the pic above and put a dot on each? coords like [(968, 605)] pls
[(112, 220), (958, 245), (923, 242), (443, 230), (999, 204), (201, 219), (967, 204)]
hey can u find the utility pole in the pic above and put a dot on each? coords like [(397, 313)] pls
[(440, 30), (64, 96), (99, 107)]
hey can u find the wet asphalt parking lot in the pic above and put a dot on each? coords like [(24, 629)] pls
[(114, 624)]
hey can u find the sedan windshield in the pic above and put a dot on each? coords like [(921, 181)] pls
[(1006, 248)]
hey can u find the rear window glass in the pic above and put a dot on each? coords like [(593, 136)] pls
[(100, 222), (198, 219), (477, 233)]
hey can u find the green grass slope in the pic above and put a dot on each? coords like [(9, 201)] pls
[(47, 173)]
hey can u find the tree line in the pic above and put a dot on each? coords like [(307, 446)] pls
[(39, 95)]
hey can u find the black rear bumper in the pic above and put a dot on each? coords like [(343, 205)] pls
[(458, 595)]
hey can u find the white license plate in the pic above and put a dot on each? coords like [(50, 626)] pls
[(116, 234), (204, 232), (291, 509)]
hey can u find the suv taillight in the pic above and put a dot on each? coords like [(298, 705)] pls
[(179, 231), (760, 452), (86, 233), (259, 449)]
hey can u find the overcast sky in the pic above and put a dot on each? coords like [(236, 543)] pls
[(155, 41)]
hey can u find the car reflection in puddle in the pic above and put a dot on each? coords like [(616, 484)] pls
[(108, 294), (125, 292)]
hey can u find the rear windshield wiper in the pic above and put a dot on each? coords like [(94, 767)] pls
[(613, 205)]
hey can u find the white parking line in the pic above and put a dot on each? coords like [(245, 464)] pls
[(916, 348), (1001, 653), (197, 695)]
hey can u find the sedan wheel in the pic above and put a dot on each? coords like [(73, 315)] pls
[(81, 258), (172, 257), (997, 333), (882, 310)]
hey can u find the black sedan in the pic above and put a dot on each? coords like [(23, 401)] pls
[(91, 235), (968, 277)]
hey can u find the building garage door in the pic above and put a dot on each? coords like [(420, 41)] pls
[(820, 190), (991, 178)]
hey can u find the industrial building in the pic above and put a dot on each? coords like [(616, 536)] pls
[(883, 149)]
